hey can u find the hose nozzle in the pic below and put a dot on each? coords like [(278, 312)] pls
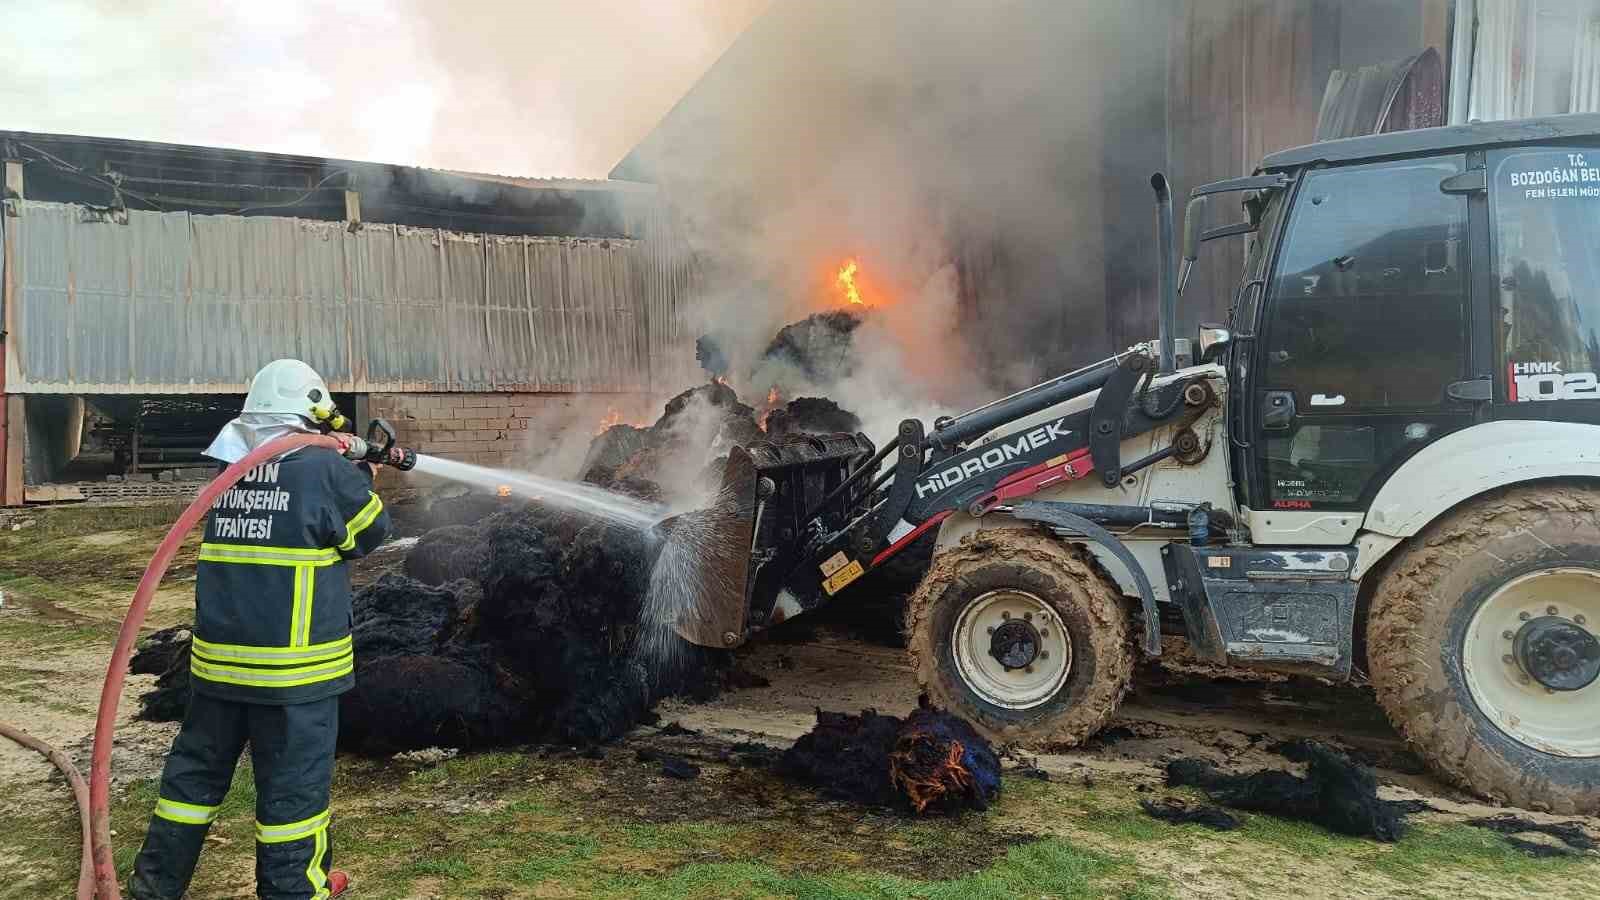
[(380, 448)]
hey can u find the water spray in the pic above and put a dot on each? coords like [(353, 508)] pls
[(577, 497)]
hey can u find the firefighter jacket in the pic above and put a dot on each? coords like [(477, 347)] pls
[(272, 593)]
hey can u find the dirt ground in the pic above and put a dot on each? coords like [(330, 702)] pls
[(543, 822), (1228, 720)]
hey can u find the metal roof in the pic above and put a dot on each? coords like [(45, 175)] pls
[(100, 171), (556, 184), (260, 157), (1437, 140)]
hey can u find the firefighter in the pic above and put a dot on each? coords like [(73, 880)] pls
[(272, 647)]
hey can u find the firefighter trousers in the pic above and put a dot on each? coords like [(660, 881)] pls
[(291, 749)]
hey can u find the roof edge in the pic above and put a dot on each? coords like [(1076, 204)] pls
[(1436, 140)]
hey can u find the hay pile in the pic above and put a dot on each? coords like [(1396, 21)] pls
[(1336, 792), (929, 762), (513, 623), (518, 629)]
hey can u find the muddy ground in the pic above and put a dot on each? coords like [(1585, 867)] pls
[(544, 822)]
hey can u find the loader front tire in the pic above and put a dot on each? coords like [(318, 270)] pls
[(1469, 622), (1022, 634)]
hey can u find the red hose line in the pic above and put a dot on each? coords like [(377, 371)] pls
[(80, 793), (105, 868)]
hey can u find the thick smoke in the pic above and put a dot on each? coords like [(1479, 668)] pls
[(532, 87), (954, 150)]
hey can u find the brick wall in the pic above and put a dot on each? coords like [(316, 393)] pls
[(505, 430)]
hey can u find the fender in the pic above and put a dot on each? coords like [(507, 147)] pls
[(1469, 462), (1057, 516)]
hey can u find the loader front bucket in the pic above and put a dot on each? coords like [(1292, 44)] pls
[(704, 566), (722, 568)]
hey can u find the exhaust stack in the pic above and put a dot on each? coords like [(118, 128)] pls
[(1168, 318)]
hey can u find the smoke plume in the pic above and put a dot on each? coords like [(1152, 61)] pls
[(953, 150), (532, 88)]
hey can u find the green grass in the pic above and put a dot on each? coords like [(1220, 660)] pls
[(51, 561), (500, 825), (553, 857), (529, 838), (63, 592), (25, 634), (38, 694), (59, 522), (1433, 848), (451, 867), (695, 835), (1047, 868)]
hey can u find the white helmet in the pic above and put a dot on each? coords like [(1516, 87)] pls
[(289, 386)]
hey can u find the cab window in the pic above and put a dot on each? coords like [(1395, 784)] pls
[(1365, 328), (1368, 303), (1546, 208)]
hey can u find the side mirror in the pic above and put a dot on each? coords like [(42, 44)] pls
[(1213, 340)]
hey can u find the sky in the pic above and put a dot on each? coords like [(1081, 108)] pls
[(539, 88)]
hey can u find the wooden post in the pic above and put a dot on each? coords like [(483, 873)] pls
[(12, 420), (12, 425)]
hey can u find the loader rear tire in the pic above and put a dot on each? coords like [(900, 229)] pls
[(1448, 675), (1076, 614)]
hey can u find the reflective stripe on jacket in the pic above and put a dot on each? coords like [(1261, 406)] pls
[(272, 592)]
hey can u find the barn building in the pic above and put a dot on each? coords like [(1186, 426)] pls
[(144, 283)]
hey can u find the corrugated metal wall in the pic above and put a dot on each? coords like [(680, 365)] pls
[(1246, 78), (180, 303), (670, 279)]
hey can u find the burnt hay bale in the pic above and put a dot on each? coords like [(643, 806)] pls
[(1574, 839), (408, 702), (609, 450), (471, 508), (158, 650), (165, 654), (516, 622), (400, 616), (846, 757), (1336, 793), (939, 762), (811, 415), (446, 554), (931, 761), (169, 699), (1177, 812), (820, 345)]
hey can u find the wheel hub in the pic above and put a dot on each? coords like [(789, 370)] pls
[(1558, 653), (1531, 660), (1011, 648), (1015, 644)]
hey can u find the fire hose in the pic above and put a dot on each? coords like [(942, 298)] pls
[(97, 870), (80, 793)]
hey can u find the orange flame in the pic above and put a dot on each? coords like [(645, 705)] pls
[(612, 417), (846, 279), (773, 400), (926, 782)]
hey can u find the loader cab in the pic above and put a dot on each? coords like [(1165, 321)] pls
[(1399, 288)]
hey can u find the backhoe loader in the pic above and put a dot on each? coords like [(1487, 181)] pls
[(1385, 467)]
